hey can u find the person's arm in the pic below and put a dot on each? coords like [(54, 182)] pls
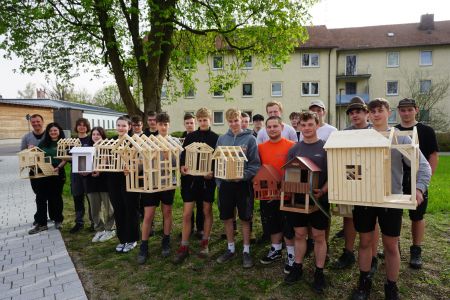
[(423, 178), (433, 161), (23, 143), (318, 193)]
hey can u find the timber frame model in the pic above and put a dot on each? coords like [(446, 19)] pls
[(301, 176), (106, 160), (229, 162), (198, 159), (267, 183), (34, 164), (359, 167), (64, 147)]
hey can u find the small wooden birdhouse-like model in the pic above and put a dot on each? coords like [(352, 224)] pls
[(198, 159), (301, 176), (229, 162), (359, 167), (105, 160), (82, 159), (267, 183), (64, 147), (34, 164)]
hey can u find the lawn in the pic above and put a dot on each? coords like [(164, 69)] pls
[(108, 275)]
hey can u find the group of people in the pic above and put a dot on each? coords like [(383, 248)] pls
[(271, 142)]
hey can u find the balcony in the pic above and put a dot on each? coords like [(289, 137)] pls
[(345, 99), (353, 76)]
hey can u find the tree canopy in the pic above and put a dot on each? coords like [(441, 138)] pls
[(147, 43)]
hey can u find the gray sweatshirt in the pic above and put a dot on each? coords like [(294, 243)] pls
[(30, 139)]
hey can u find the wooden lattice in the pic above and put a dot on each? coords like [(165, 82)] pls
[(198, 159), (64, 147), (34, 164), (105, 159), (229, 162)]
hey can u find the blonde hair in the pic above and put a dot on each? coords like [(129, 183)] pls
[(273, 103), (203, 112), (232, 114)]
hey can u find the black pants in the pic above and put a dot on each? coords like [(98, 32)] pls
[(49, 192), (126, 206), (199, 217), (78, 201)]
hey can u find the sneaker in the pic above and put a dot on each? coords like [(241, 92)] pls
[(309, 247), (165, 245), (58, 225), (119, 247), (182, 254), (339, 234), (37, 229), (346, 260), (226, 256), (295, 274), (271, 257), (97, 236), (247, 261), (77, 227), (129, 246), (319, 283), (289, 263), (373, 266), (35, 223), (415, 261), (391, 291), (143, 254), (109, 234), (363, 290), (204, 249)]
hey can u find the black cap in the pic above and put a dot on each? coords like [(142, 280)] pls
[(258, 117), (356, 103), (407, 103)]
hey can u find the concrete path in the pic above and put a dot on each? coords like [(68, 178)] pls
[(31, 266)]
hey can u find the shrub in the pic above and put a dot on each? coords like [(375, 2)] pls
[(443, 139)]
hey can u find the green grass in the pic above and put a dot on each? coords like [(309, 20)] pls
[(107, 275)]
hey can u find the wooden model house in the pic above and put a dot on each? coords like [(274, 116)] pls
[(64, 147), (105, 160), (82, 159), (301, 176), (229, 162), (267, 183), (359, 167), (198, 159), (34, 164)]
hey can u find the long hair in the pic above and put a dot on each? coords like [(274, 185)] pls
[(100, 130), (47, 139)]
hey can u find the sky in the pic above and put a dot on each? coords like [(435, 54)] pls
[(332, 13)]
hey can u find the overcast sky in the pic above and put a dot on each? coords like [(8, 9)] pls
[(332, 13)]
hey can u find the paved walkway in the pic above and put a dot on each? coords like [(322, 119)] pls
[(31, 266)]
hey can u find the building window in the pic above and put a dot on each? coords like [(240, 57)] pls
[(218, 92), (310, 88), (248, 62), (104, 124), (425, 86), (392, 88), (426, 58), (93, 122), (353, 172), (247, 89), (350, 65), (189, 93), (217, 62), (350, 88), (393, 59), (310, 60), (218, 117), (273, 63), (276, 89)]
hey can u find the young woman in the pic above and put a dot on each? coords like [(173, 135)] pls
[(97, 191), (125, 204), (49, 189)]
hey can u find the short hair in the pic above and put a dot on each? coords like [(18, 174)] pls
[(36, 116), (124, 118), (188, 116), (273, 103), (233, 113), (136, 119), (309, 115), (203, 112), (162, 118), (280, 121), (378, 102), (294, 114), (82, 121), (245, 115), (151, 113), (258, 117)]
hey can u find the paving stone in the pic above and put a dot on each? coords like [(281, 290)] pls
[(52, 290), (39, 293), (35, 286)]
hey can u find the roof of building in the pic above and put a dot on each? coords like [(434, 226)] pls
[(319, 37), (59, 104)]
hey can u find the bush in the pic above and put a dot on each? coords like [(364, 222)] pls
[(111, 133), (443, 139), (176, 134)]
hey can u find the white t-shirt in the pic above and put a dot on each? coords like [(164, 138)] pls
[(323, 132), (288, 133)]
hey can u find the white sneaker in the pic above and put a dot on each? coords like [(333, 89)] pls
[(108, 234), (119, 248), (129, 246), (98, 236)]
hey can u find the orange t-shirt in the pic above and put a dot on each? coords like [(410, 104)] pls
[(275, 154)]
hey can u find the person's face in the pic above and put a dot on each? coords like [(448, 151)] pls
[(234, 124), (96, 136), (204, 123), (189, 125), (358, 117), (245, 122), (379, 116), (294, 121), (37, 124), (81, 128), (258, 124), (151, 122), (137, 127), (408, 114), (274, 111), (122, 127), (53, 133), (163, 128), (274, 129), (318, 110), (309, 128)]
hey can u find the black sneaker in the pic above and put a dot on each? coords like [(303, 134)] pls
[(226, 256), (309, 247), (247, 261), (373, 266), (415, 261), (295, 274), (77, 227), (319, 283), (339, 234), (289, 263), (37, 229), (165, 245), (271, 257), (391, 291), (142, 257), (346, 260), (363, 290)]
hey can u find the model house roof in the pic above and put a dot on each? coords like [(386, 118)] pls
[(82, 150), (31, 150), (233, 153), (267, 170), (203, 147), (302, 161), (364, 138)]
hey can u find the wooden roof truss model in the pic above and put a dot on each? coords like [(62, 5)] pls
[(198, 159), (105, 159), (64, 147), (34, 164), (229, 162)]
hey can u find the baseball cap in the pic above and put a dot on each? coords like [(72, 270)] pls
[(406, 102), (318, 103), (258, 117), (356, 103)]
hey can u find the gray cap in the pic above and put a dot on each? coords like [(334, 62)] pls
[(318, 103)]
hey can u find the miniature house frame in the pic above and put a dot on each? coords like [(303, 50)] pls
[(105, 160), (267, 183), (229, 162), (198, 159), (64, 147), (359, 167), (301, 176), (82, 159), (34, 164)]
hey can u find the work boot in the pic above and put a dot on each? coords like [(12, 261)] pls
[(347, 259), (165, 245), (143, 253), (364, 287), (319, 283), (391, 291), (295, 274), (415, 261)]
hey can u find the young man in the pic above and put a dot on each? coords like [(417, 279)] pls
[(189, 124), (294, 117), (324, 130), (258, 124), (136, 125), (407, 109), (197, 188), (152, 200), (310, 147), (245, 121), (274, 152), (151, 123), (238, 193), (275, 108), (389, 219)]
